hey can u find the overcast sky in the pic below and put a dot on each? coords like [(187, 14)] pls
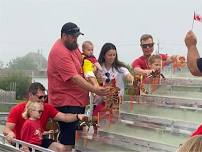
[(31, 25)]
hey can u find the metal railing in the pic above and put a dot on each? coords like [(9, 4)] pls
[(19, 143)]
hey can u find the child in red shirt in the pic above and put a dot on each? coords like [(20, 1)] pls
[(154, 64), (32, 131)]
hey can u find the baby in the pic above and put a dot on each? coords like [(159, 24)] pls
[(90, 63)]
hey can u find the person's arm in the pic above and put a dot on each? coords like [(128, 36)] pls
[(130, 78), (137, 64), (48, 132), (69, 117), (170, 59), (127, 75), (8, 131), (98, 66), (68, 71), (192, 54), (93, 81), (139, 70), (173, 58), (192, 57), (102, 91)]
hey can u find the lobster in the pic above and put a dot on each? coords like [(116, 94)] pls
[(153, 78)]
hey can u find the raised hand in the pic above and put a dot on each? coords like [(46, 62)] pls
[(190, 39)]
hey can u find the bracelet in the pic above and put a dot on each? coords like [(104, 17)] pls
[(77, 116)]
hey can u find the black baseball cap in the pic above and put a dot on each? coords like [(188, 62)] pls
[(71, 29)]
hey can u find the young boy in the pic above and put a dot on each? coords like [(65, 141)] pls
[(154, 64)]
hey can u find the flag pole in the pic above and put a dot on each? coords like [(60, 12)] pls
[(192, 26), (157, 52)]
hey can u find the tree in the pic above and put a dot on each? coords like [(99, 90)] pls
[(16, 80), (18, 75), (1, 64), (22, 63), (31, 61)]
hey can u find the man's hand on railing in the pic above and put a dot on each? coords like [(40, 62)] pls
[(10, 136)]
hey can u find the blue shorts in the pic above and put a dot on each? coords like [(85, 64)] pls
[(68, 130)]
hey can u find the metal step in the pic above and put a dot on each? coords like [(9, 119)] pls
[(134, 138), (166, 112), (155, 122), (165, 100)]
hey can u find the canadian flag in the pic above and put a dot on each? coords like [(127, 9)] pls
[(197, 17)]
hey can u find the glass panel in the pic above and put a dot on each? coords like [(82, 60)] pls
[(98, 144), (123, 137), (163, 112), (155, 135), (185, 91)]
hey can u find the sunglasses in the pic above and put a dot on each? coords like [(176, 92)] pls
[(150, 45), (42, 97), (107, 74)]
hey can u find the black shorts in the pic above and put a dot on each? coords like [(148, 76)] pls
[(199, 64), (46, 142), (68, 130)]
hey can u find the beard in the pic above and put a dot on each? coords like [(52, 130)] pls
[(71, 46)]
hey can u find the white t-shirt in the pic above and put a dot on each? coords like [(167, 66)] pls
[(118, 76)]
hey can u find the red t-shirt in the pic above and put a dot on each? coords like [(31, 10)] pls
[(142, 63), (63, 64), (15, 116), (32, 132)]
